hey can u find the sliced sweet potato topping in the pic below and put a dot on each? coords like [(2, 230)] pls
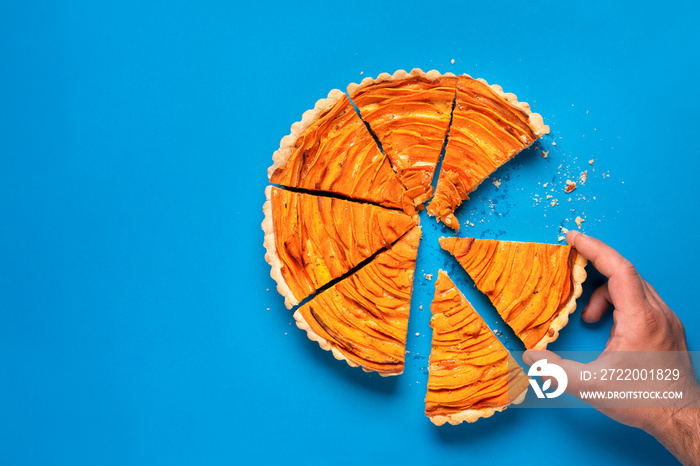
[(336, 153), (410, 114), (471, 373), (312, 240), (364, 317), (531, 285), (488, 129)]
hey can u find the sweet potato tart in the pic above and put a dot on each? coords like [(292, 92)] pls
[(534, 286), (363, 319), (471, 374), (331, 150), (410, 114), (489, 127), (311, 240)]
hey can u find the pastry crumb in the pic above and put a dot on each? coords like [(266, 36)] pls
[(544, 154), (420, 307), (545, 185), (268, 308), (554, 143), (554, 202), (497, 183), (590, 162), (452, 61), (361, 73), (570, 186), (417, 334), (428, 276), (561, 238), (579, 221), (583, 177), (564, 230)]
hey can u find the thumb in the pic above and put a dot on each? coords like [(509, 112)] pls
[(571, 368)]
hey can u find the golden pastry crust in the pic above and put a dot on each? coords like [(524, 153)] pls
[(578, 276), (271, 252), (473, 415), (398, 75), (535, 119), (309, 117), (363, 319)]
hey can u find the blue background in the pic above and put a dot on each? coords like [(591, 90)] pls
[(139, 323)]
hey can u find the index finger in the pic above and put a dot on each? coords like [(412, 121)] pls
[(625, 284), (607, 260)]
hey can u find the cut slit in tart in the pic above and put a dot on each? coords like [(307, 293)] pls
[(489, 127), (410, 115), (471, 374), (311, 240), (534, 286), (331, 150), (363, 319)]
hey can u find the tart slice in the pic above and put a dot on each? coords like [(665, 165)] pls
[(410, 114), (534, 286), (332, 150), (471, 374), (363, 319), (311, 240), (488, 128)]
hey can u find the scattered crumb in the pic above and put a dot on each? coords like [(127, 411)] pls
[(570, 186), (453, 61), (420, 307), (564, 230), (549, 196), (561, 238), (417, 334), (544, 154), (554, 202), (361, 73), (579, 221), (268, 308), (554, 143), (429, 276), (497, 183), (545, 185), (584, 177), (590, 162), (267, 289)]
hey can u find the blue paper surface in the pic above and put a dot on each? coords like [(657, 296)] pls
[(139, 321)]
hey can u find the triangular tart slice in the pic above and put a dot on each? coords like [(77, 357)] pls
[(534, 286), (311, 240), (471, 374), (363, 319), (489, 127), (332, 150), (410, 114)]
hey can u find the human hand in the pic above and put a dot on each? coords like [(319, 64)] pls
[(643, 327)]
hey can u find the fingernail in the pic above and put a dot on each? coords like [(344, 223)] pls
[(527, 358)]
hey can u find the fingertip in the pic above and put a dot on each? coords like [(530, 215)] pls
[(532, 356), (571, 237)]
